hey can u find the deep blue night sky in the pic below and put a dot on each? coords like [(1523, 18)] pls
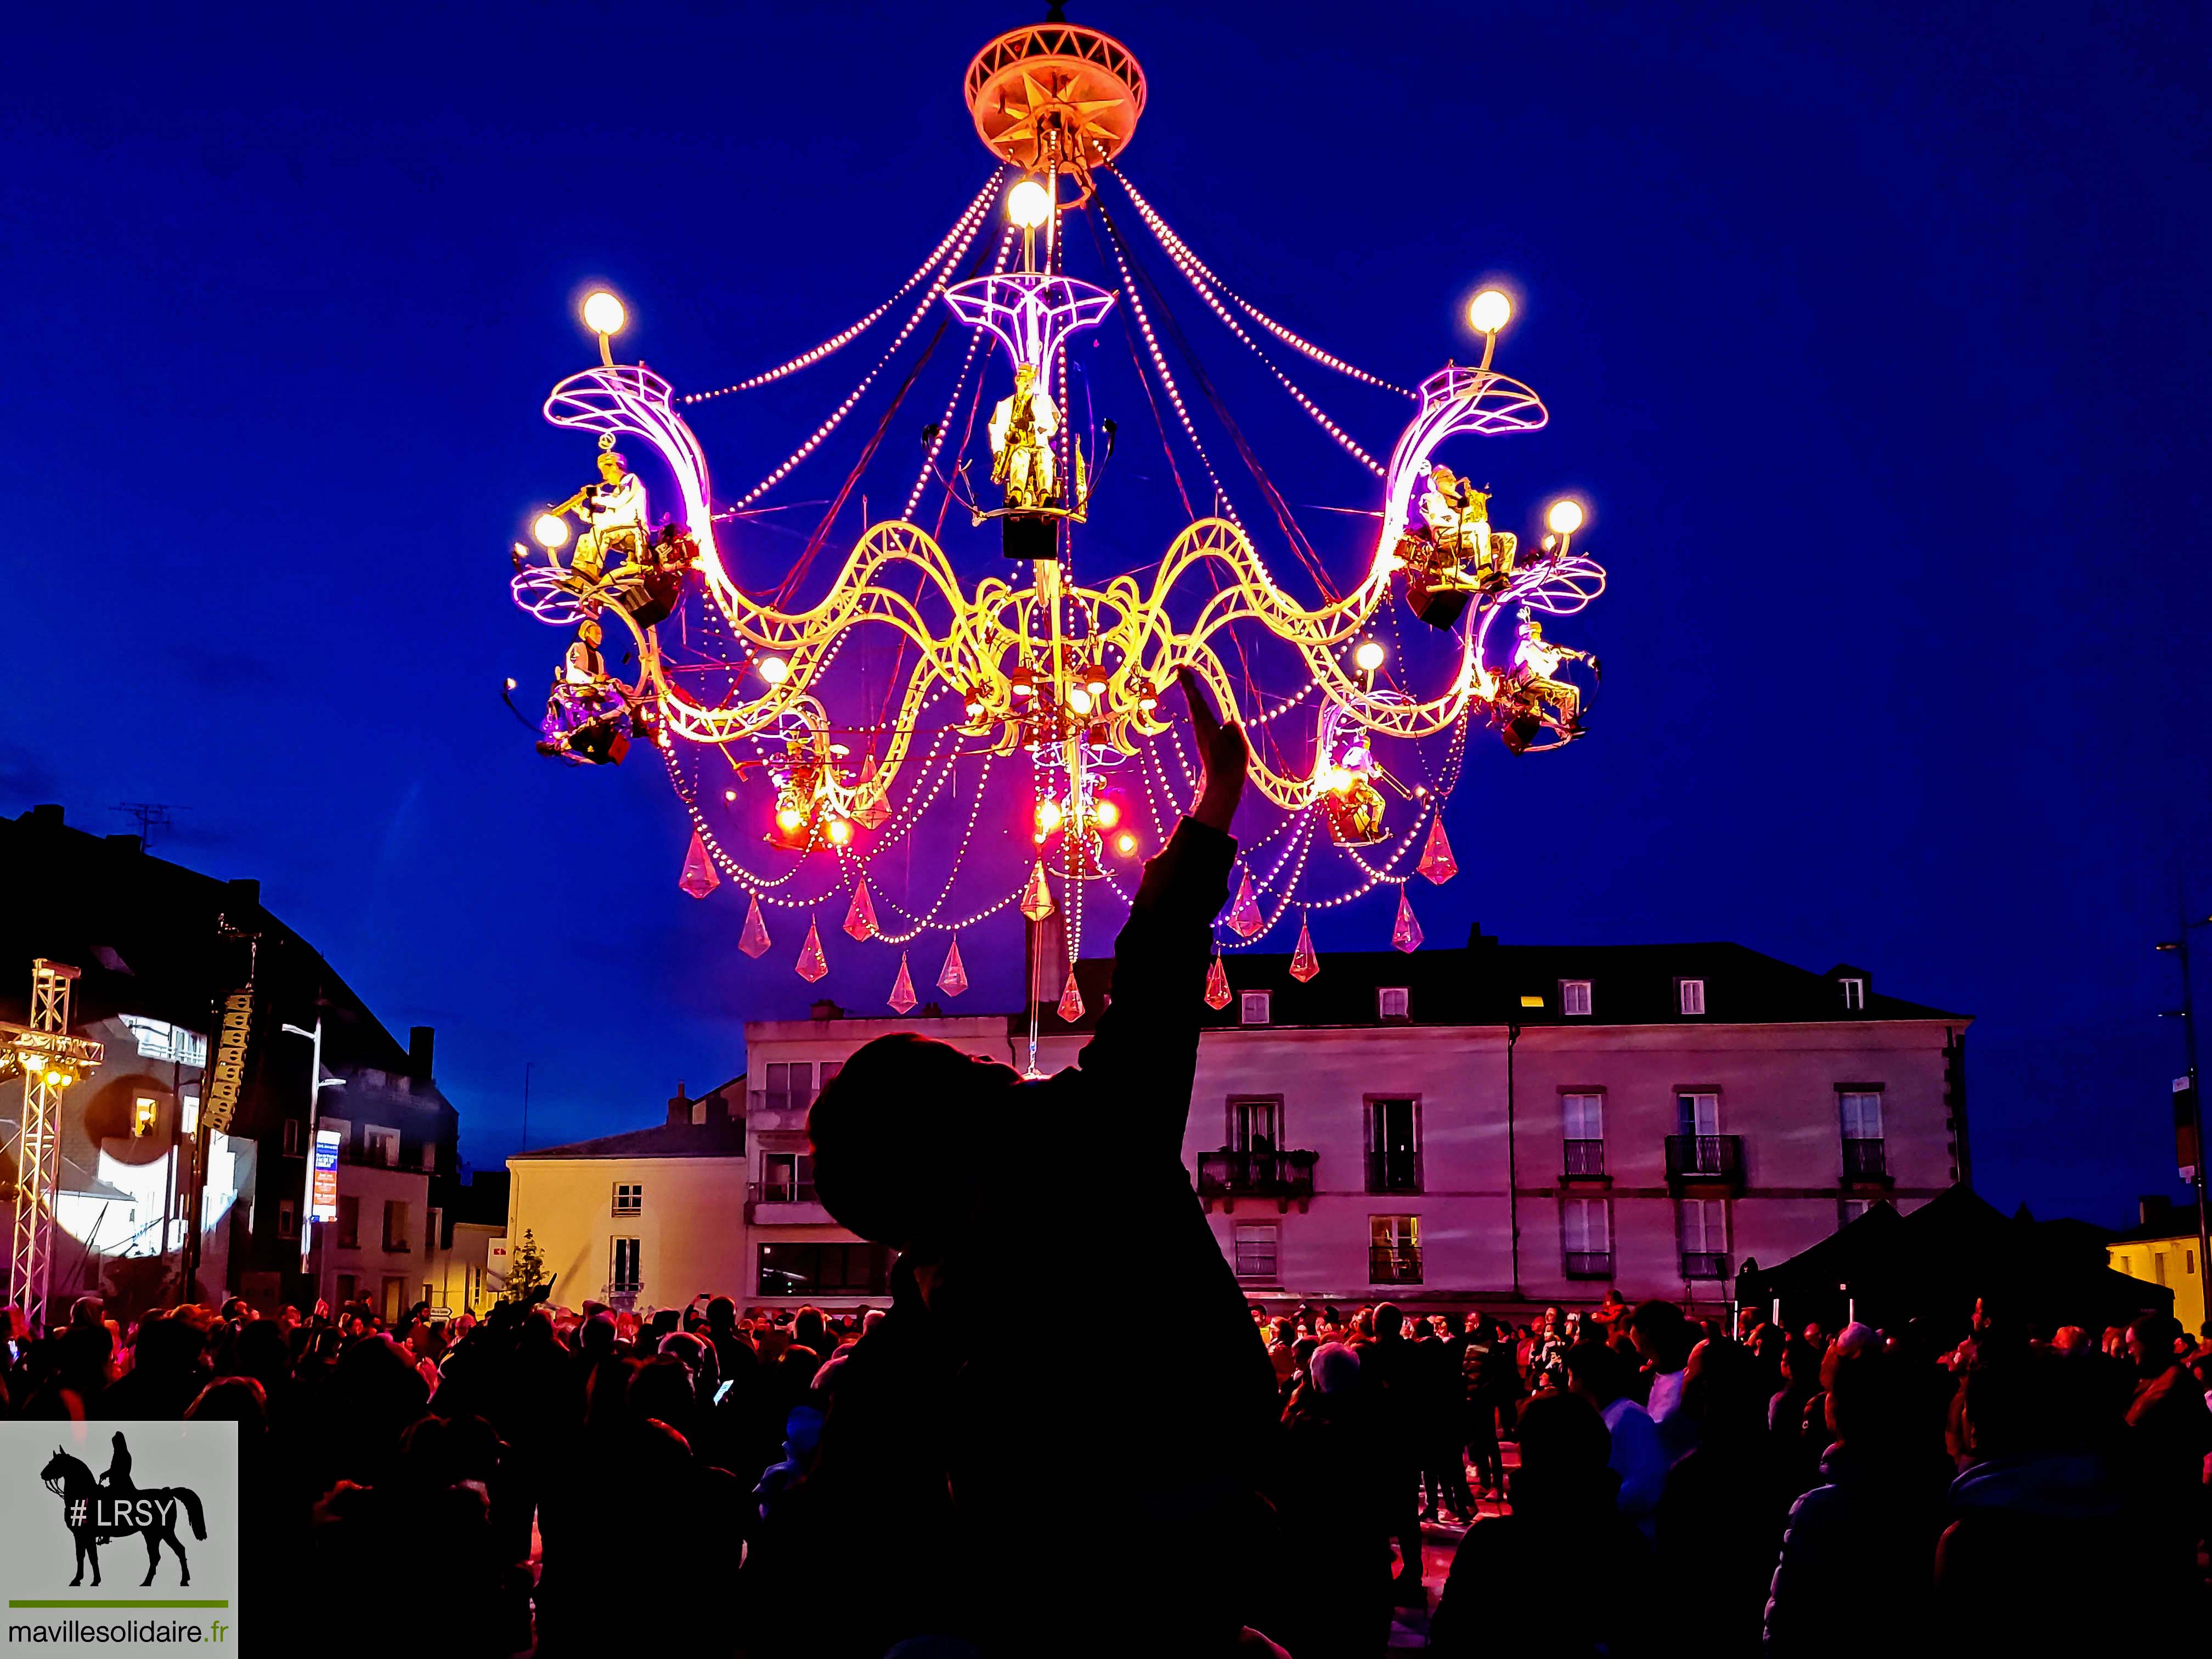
[(1876, 337)]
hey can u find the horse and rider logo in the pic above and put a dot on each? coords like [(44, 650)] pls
[(98, 1509)]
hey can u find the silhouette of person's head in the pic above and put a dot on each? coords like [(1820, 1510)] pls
[(882, 1164)]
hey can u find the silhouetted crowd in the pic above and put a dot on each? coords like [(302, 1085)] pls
[(575, 1481)]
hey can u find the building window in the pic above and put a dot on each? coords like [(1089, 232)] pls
[(349, 1224), (1854, 994), (1703, 1225), (1574, 997), (145, 1111), (1256, 1123), (1856, 1207), (1863, 1145), (624, 1275), (1584, 1134), (827, 1269), (786, 1177), (1394, 1249), (790, 1085), (629, 1198), (1697, 1114), (1393, 1146), (395, 1226), (1256, 1250), (288, 1219), (379, 1147), (348, 1288), (1391, 1002), (1253, 1009), (1691, 993), (294, 1134), (430, 1233), (428, 1155), (830, 1069), (1586, 1233)]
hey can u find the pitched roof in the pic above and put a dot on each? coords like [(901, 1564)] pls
[(1485, 982)]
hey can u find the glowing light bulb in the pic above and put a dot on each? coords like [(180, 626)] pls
[(1369, 656), (1148, 703), (729, 794), (790, 818), (551, 531), (1565, 517), (1048, 816), (841, 831), (774, 669), (1096, 684), (1127, 844), (55, 1079), (1029, 204), (603, 313), (510, 683), (1106, 813), (1080, 699), (1490, 311)]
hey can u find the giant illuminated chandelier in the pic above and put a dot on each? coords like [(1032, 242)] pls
[(776, 729)]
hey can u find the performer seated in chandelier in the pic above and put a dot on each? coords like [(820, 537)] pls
[(615, 510), (941, 1427), (1022, 429), (580, 684), (1458, 515), (1536, 664)]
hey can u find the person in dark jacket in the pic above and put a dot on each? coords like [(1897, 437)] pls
[(1333, 1504), (2041, 1502), (1862, 1541), (1719, 1518), (922, 1147), (1564, 1546)]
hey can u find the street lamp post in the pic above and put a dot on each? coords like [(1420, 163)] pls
[(2187, 1014), (316, 1084)]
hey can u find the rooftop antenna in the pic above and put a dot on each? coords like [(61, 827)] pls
[(150, 815)]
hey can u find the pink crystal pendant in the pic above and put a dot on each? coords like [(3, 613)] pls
[(1037, 897), (872, 816), (754, 939), (1406, 932), (1437, 863), (1071, 1000), (1244, 911), (1217, 984), (812, 964), (902, 997), (860, 919), (952, 979), (1305, 964), (699, 875)]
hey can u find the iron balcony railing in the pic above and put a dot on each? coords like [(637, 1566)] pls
[(1229, 1173), (1865, 1160), (1704, 1264), (1590, 1264), (1704, 1157), (1584, 1158), (1394, 1264)]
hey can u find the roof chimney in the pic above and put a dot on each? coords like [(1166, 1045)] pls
[(718, 1108), (245, 892), (2153, 1206), (679, 1106), (420, 1040), (1479, 940), (825, 1009), (47, 816)]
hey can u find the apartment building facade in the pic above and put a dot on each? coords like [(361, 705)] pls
[(1493, 1125)]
